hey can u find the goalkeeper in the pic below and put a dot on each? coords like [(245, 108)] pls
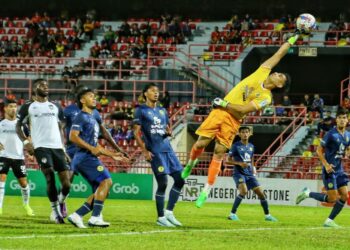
[(251, 94)]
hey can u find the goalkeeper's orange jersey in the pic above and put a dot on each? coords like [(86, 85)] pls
[(251, 89)]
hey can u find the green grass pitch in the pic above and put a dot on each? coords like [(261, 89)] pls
[(133, 227)]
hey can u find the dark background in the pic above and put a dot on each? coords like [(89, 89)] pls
[(205, 9)]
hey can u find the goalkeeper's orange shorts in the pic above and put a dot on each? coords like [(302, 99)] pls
[(220, 125)]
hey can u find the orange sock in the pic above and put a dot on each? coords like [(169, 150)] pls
[(195, 153), (214, 170)]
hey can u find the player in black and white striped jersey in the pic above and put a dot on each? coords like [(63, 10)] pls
[(12, 156), (46, 143)]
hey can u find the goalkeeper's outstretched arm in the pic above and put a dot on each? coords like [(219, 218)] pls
[(281, 52)]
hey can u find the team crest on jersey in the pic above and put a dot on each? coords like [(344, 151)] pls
[(330, 185), (161, 169), (161, 112), (100, 168), (50, 106), (240, 180), (44, 160), (257, 95)]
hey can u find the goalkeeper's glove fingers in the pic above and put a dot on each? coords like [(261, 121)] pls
[(218, 102)]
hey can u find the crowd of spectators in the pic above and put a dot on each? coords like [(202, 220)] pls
[(239, 30), (170, 30), (334, 34), (43, 35)]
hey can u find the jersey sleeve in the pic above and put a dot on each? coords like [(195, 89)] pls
[(137, 116), (23, 113), (326, 139), (66, 112), (262, 101), (78, 123), (97, 116), (233, 150)]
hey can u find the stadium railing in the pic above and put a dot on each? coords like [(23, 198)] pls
[(131, 87), (290, 167), (344, 88), (280, 141)]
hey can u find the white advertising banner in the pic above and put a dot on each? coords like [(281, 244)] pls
[(277, 191)]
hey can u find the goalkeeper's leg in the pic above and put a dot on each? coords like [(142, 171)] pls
[(196, 151)]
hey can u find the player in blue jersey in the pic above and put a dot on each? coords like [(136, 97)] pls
[(333, 147), (70, 112), (153, 122), (84, 133), (241, 156)]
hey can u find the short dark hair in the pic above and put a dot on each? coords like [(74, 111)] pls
[(342, 111), (36, 82), (243, 128), (147, 87), (82, 91), (9, 101)]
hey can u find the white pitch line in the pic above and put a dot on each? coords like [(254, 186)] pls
[(82, 235)]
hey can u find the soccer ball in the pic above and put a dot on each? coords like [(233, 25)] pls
[(306, 22)]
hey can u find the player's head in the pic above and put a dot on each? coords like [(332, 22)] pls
[(280, 80), (86, 97), (151, 92), (41, 87), (244, 133), (342, 118), (10, 107)]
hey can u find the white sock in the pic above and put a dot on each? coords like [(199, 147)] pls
[(2, 192), (267, 215), (328, 220), (168, 211), (62, 198), (207, 188), (25, 194), (56, 208)]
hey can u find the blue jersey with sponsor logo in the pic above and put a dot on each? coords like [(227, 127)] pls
[(153, 122), (70, 112), (335, 145), (89, 128), (242, 153)]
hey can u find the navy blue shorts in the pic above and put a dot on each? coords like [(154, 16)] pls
[(91, 168), (165, 163), (250, 181), (334, 181)]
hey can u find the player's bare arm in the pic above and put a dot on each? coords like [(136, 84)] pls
[(108, 137), (74, 137), (320, 152), (26, 141)]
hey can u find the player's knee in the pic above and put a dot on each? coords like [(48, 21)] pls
[(331, 198), (199, 144), (344, 197), (109, 182), (243, 193)]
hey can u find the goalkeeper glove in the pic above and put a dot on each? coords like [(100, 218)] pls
[(218, 102)]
